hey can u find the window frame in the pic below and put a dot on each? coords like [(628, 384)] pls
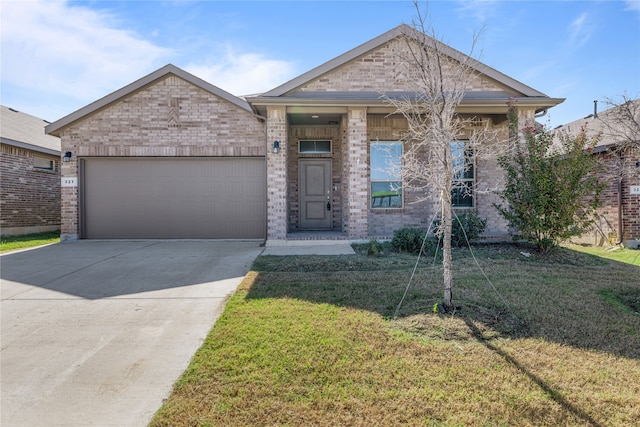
[(315, 141), (397, 179), (469, 182), (50, 168)]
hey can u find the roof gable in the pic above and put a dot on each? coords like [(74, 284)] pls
[(57, 126), (489, 79)]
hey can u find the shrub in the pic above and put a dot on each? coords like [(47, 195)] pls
[(375, 248), (468, 225), (408, 239), (552, 192)]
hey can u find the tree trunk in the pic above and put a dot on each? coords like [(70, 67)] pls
[(446, 252)]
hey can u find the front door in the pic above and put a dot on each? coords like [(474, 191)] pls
[(315, 194)]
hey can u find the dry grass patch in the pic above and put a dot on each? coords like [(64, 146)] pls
[(312, 341)]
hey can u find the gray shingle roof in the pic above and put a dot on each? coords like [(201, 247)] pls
[(27, 131)]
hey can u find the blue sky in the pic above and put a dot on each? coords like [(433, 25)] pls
[(58, 56)]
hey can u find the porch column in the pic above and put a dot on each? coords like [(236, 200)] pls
[(358, 173), (277, 176), (69, 215), (526, 117)]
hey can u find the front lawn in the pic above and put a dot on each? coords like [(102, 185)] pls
[(12, 243), (313, 341)]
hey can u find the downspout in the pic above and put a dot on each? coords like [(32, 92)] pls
[(619, 211)]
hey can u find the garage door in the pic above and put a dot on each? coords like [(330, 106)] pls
[(155, 198)]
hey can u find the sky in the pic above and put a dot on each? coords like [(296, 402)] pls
[(58, 56)]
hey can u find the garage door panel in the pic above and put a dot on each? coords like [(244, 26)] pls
[(174, 198)]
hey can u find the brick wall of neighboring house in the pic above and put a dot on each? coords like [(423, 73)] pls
[(606, 229), (29, 196), (331, 133), (168, 118)]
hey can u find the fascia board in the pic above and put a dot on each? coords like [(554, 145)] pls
[(538, 103), (30, 146)]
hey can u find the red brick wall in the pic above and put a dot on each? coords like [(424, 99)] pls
[(29, 197)]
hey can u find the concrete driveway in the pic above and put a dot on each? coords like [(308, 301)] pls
[(95, 333)]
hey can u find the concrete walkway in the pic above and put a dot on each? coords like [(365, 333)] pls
[(95, 333), (308, 247)]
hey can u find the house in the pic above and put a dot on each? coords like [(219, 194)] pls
[(172, 156), (617, 132), (30, 169)]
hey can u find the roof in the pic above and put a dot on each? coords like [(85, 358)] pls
[(26, 131), (287, 90), (57, 126), (604, 126)]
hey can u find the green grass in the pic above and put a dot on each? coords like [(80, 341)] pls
[(12, 243), (313, 341), (629, 256)]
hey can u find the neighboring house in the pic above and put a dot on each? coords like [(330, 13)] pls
[(30, 184), (617, 131), (172, 156)]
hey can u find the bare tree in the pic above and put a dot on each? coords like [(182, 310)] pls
[(433, 156), (620, 129)]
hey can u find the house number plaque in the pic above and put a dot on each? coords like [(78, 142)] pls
[(635, 189), (69, 182)]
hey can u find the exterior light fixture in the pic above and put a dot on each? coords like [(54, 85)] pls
[(67, 157), (276, 147)]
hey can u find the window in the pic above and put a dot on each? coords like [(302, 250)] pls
[(314, 147), (386, 181), (464, 173), (44, 164)]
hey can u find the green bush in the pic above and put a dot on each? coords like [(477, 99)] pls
[(468, 225), (552, 189), (375, 248), (409, 239)]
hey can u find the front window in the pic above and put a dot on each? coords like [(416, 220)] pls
[(44, 164), (386, 181), (314, 147), (464, 173)]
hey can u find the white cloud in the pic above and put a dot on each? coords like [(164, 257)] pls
[(243, 73), (632, 5), (480, 9), (57, 47), (580, 30)]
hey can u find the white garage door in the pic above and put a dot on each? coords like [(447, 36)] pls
[(173, 198)]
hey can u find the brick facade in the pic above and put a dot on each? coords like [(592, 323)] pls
[(357, 174), (30, 197), (168, 118), (277, 175), (381, 70), (171, 117), (606, 229)]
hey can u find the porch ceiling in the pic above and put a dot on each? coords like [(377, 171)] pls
[(311, 119)]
